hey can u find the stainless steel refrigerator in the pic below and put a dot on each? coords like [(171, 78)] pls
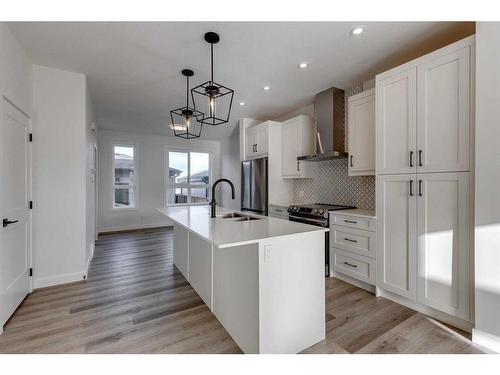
[(254, 186)]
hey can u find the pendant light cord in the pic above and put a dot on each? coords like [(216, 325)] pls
[(187, 91), (212, 61)]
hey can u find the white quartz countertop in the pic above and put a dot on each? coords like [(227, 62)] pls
[(227, 232), (356, 212)]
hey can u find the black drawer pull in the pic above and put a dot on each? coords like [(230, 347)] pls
[(411, 158), (348, 239), (350, 265), (420, 158), (350, 221)]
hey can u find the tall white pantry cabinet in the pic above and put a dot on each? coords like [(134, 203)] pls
[(424, 128)]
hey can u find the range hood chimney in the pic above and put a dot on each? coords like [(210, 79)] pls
[(329, 107)]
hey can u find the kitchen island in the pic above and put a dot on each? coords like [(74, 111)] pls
[(263, 278)]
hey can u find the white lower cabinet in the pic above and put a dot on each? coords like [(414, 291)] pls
[(397, 241), (424, 239), (443, 242), (353, 242)]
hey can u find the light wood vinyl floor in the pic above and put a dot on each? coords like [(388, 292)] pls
[(136, 301)]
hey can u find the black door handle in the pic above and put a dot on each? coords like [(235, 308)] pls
[(419, 158), (298, 166), (420, 188), (352, 165), (411, 158), (411, 188), (7, 222)]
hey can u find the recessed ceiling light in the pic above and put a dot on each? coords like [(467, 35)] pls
[(303, 65), (357, 30), (242, 103), (267, 88)]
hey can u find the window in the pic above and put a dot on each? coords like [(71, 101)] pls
[(124, 177), (188, 177)]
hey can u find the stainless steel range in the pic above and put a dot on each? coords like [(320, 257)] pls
[(316, 214)]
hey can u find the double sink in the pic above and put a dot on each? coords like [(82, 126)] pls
[(235, 217)]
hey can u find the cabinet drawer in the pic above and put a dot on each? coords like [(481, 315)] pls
[(361, 242), (277, 210), (357, 222), (356, 266)]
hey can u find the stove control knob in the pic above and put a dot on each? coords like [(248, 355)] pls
[(320, 212), (315, 211)]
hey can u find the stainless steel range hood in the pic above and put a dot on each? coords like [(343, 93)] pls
[(329, 106)]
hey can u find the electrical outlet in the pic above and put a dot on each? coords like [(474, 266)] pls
[(267, 253)]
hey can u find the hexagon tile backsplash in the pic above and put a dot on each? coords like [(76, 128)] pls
[(332, 185)]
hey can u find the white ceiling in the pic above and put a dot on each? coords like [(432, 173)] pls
[(133, 68)]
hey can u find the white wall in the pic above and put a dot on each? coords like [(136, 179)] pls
[(59, 186), (487, 179), (151, 167), (15, 71), (231, 169)]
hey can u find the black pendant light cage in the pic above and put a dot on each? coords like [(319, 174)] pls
[(188, 124), (219, 98)]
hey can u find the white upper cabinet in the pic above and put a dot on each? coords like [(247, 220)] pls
[(361, 133), (297, 139), (396, 122), (423, 118), (396, 234), (257, 141), (443, 242), (443, 113)]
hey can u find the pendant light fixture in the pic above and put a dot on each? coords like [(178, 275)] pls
[(186, 121), (219, 98)]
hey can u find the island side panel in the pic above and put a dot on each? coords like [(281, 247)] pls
[(292, 292), (200, 267), (181, 250), (236, 293)]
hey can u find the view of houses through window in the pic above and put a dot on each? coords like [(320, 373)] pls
[(124, 171), (188, 178)]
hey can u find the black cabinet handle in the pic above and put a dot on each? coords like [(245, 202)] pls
[(348, 239), (420, 188), (350, 265), (411, 188), (419, 158), (411, 158), (350, 221), (352, 165), (7, 222), (298, 166)]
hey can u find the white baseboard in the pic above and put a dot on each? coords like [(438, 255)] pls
[(360, 284), (429, 311), (58, 279), (134, 227), (92, 248), (488, 342)]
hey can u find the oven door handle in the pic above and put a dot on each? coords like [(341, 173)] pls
[(308, 220)]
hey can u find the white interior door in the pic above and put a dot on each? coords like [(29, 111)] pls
[(16, 219), (396, 234), (443, 242), (443, 126), (396, 123)]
